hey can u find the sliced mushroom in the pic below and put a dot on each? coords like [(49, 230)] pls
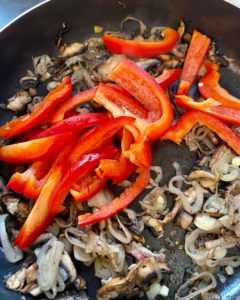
[(67, 264), (184, 219), (32, 289), (111, 63), (215, 56), (15, 206), (74, 49), (181, 30), (33, 92), (94, 43), (18, 101), (52, 85), (42, 239), (31, 273), (80, 283), (136, 234), (28, 82), (146, 64), (154, 223), (16, 281), (138, 277)]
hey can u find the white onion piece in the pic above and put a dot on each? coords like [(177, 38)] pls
[(233, 261), (53, 228), (178, 170), (125, 184), (154, 202), (13, 254), (74, 240), (60, 279), (154, 289), (199, 291), (101, 267), (117, 259), (123, 235), (155, 182), (68, 245), (43, 63), (234, 173), (82, 256), (102, 198), (48, 263)]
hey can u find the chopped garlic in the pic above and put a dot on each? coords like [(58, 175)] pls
[(154, 289), (220, 253), (236, 161), (131, 266), (229, 270), (205, 222), (160, 200), (164, 291)]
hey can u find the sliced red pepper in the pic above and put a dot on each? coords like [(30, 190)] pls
[(59, 114), (80, 168), (40, 217), (118, 203), (39, 113), (117, 170), (211, 66), (38, 169), (26, 137), (89, 187), (33, 150), (145, 89), (144, 49), (209, 88), (214, 108), (77, 123), (98, 137), (190, 118), (194, 59), (168, 77), (34, 185)]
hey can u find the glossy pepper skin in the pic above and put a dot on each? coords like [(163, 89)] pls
[(33, 150), (209, 87), (191, 118), (136, 49), (80, 168), (77, 123), (168, 77), (26, 137), (40, 112), (194, 59), (34, 186), (118, 203), (212, 107), (145, 89)]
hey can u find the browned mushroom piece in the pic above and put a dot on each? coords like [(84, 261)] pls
[(67, 264), (31, 273), (74, 49), (107, 67), (18, 101), (184, 219), (15, 204), (181, 30), (32, 289), (80, 283), (138, 277)]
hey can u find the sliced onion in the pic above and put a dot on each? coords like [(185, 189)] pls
[(117, 259), (42, 64), (123, 235), (101, 199), (101, 267), (154, 202), (155, 182), (82, 256), (199, 291), (125, 184), (68, 245), (233, 261), (73, 240), (178, 170), (48, 263), (13, 254)]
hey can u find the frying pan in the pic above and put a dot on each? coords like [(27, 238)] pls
[(34, 33)]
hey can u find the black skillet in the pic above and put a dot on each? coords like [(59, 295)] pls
[(34, 33)]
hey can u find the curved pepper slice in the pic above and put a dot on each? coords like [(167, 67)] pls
[(80, 168), (40, 217), (33, 186), (98, 137), (214, 108), (144, 49), (211, 66), (38, 169), (209, 88), (168, 77), (40, 112), (190, 118), (117, 170), (33, 150), (118, 203), (194, 59), (89, 186), (145, 89), (77, 123), (26, 137)]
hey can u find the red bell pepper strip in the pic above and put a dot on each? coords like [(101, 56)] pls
[(211, 66), (98, 137), (40, 217), (33, 150), (38, 169), (190, 118), (77, 123), (33, 187), (194, 59), (26, 137), (145, 89), (117, 170), (168, 77), (118, 203), (209, 88), (89, 187), (214, 108), (59, 114), (80, 168), (40, 112), (144, 49)]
